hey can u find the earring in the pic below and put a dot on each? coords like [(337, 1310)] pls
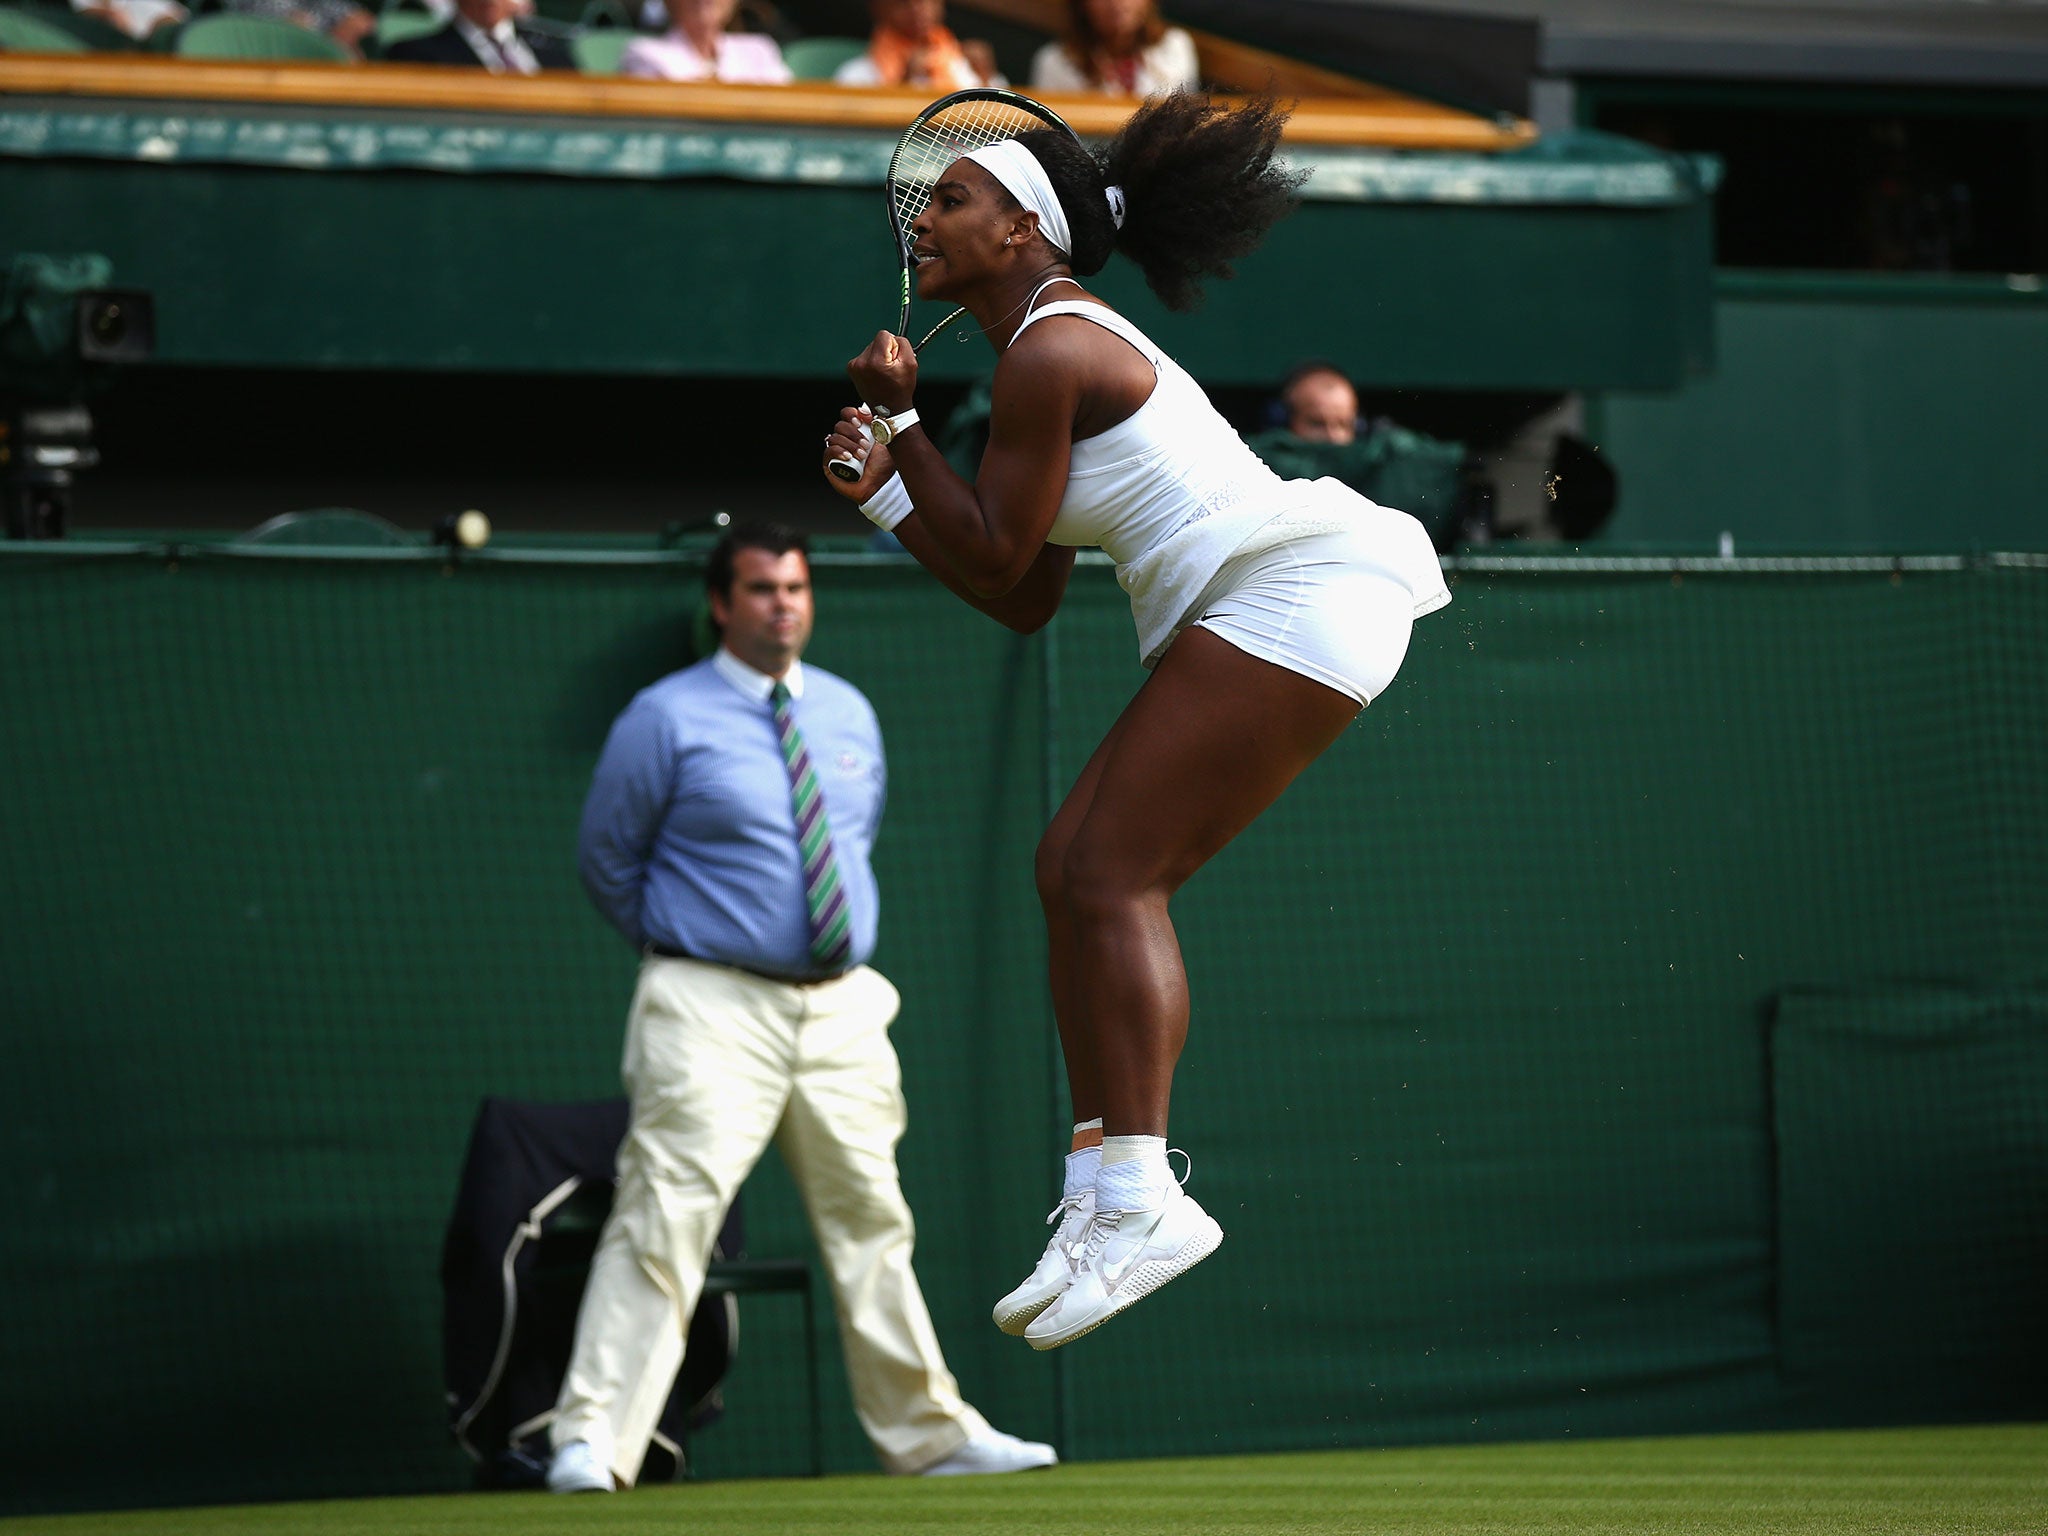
[(1006, 239)]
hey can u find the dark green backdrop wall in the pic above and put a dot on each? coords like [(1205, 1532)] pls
[(1847, 412), (1638, 1023)]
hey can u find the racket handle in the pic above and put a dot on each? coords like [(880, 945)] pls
[(848, 468)]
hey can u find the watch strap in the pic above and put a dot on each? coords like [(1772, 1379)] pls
[(899, 422)]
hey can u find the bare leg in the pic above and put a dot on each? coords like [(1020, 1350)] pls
[(1068, 1003), (1020, 1307), (1208, 743)]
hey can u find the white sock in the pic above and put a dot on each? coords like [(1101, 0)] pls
[(1134, 1174), (1083, 1161), (1081, 1169)]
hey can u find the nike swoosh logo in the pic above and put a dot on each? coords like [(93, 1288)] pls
[(1112, 1275)]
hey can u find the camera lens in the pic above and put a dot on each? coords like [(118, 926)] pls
[(116, 325), (109, 324)]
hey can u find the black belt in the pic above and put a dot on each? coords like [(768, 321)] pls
[(669, 952)]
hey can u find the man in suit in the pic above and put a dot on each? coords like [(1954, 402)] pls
[(486, 34)]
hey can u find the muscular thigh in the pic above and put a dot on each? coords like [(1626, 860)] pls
[(1208, 743), (1066, 821)]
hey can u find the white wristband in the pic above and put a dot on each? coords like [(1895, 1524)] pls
[(888, 506)]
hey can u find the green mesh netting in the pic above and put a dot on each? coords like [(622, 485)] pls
[(1562, 1040)]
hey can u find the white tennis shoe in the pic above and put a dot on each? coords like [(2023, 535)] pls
[(1124, 1256), (1055, 1271), (994, 1451), (576, 1469)]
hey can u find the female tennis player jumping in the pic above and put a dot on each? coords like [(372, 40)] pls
[(1269, 611)]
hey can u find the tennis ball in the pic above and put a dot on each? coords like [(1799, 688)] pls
[(473, 529)]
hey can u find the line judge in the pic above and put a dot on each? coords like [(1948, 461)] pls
[(727, 836)]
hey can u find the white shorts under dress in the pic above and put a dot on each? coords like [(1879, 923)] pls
[(1307, 574), (1313, 594)]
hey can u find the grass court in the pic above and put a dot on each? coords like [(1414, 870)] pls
[(1956, 1481)]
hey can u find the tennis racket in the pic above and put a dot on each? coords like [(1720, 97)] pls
[(941, 134)]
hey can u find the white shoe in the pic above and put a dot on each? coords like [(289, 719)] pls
[(993, 1451), (1055, 1271), (1125, 1256), (575, 1469)]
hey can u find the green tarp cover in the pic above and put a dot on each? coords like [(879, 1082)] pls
[(1635, 1025), (1578, 169)]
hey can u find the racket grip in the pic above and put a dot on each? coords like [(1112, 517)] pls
[(847, 467)]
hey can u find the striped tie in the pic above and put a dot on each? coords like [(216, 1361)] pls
[(824, 895)]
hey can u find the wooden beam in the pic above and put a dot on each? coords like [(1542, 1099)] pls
[(1225, 62), (1242, 67), (1387, 119)]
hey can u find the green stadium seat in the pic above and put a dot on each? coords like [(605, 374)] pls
[(819, 58), (395, 26), (95, 32), (23, 33), (256, 37), (598, 51), (568, 13)]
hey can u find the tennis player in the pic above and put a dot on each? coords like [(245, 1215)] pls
[(1270, 612)]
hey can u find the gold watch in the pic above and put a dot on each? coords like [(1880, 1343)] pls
[(888, 427)]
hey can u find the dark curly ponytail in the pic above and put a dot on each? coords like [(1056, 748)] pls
[(1199, 181)]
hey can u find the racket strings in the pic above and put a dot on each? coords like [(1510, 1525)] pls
[(937, 139), (935, 143)]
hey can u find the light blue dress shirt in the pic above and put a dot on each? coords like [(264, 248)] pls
[(689, 838)]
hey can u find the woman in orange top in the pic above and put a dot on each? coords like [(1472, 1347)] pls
[(911, 46), (1118, 47)]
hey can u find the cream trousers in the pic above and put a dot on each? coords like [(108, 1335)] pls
[(718, 1062)]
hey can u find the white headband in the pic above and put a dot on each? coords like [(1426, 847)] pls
[(1024, 179)]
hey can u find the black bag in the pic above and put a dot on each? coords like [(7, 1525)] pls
[(536, 1187), (1583, 488)]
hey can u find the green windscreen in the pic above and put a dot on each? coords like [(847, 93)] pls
[(1638, 1023)]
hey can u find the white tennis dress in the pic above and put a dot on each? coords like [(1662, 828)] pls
[(1307, 574)]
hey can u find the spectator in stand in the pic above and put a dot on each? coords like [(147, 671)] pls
[(486, 34), (343, 20), (1117, 47), (911, 46), (700, 45), (138, 18), (1316, 430), (1320, 403)]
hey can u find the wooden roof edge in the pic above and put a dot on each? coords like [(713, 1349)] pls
[(1238, 66), (1386, 118)]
